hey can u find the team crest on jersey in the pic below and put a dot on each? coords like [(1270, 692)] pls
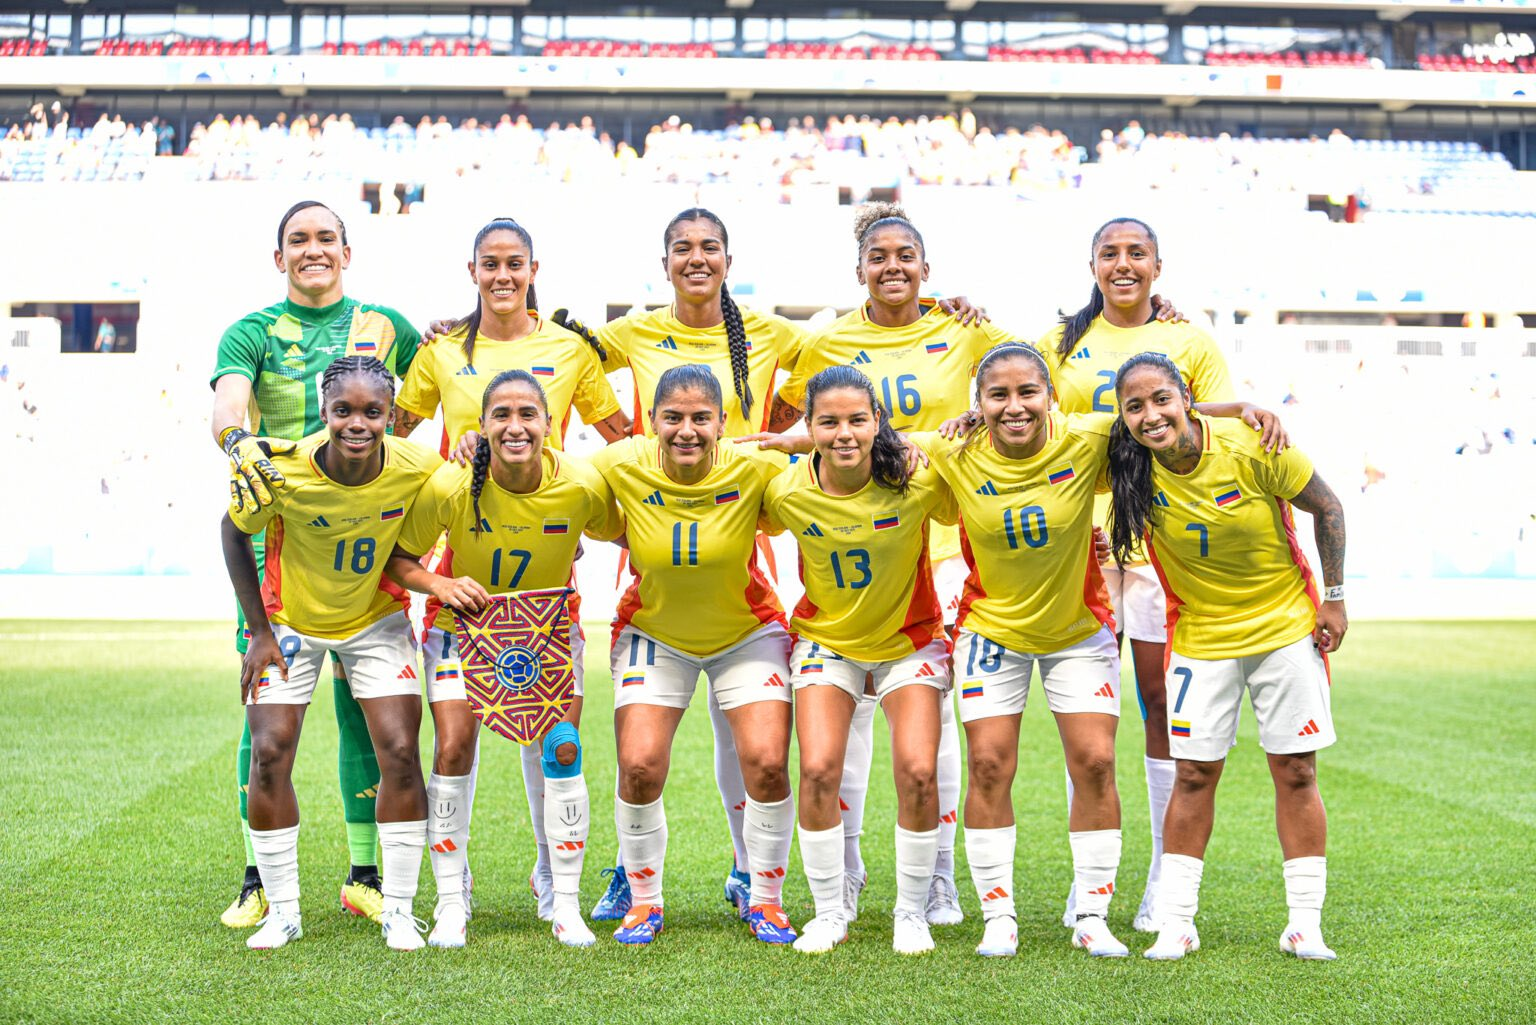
[(1062, 475), (1227, 495)]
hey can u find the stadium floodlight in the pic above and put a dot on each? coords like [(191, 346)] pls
[(959, 5), (738, 5)]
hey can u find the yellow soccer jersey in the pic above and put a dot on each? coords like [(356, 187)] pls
[(327, 543), (523, 542), (863, 560), (560, 360), (692, 547), (1224, 545), (1026, 529), (652, 343)]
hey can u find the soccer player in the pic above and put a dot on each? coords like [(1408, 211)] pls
[(1214, 509), (506, 332), (698, 603), (514, 519), (860, 517), (269, 368), (344, 501)]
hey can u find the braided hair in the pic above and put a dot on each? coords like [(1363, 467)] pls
[(735, 328), (1000, 353), (282, 225), (1077, 323), (480, 467), (346, 366), (888, 454), (531, 302), (1132, 507), (873, 216)]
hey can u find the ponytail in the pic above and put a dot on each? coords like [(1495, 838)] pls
[(736, 337), (1130, 482), (530, 301), (888, 454), (1075, 326)]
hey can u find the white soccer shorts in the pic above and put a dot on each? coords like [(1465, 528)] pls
[(1289, 689), (1136, 595), (813, 664), (995, 681), (648, 672), (379, 662), (445, 675)]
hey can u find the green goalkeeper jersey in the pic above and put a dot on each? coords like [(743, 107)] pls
[(284, 349)]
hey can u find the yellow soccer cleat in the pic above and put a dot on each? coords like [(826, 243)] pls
[(248, 909), (361, 895)]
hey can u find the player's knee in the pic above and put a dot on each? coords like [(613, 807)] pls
[(820, 775), (271, 756), (1094, 770), (918, 780), (455, 755), (990, 769), (399, 756), (1293, 772), (562, 752), (1193, 776), (765, 773), (640, 781)]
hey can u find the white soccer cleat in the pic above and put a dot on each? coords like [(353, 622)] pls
[(821, 934), (944, 902), (911, 934), (402, 930), (1174, 940), (1001, 938), (542, 883), (1306, 944), (450, 928), (277, 930), (1093, 935), (570, 928), (1146, 919), (1069, 916), (853, 885)]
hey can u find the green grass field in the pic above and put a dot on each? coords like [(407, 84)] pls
[(120, 848)]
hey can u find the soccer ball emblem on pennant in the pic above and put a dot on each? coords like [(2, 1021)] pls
[(516, 656)]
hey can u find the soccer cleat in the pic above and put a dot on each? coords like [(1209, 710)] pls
[(450, 928), (769, 924), (249, 908), (362, 893), (615, 902), (738, 891), (1069, 916), (853, 885), (402, 930), (821, 934), (277, 930), (1308, 946), (1174, 940), (1146, 919), (1093, 935), (570, 929), (911, 935), (542, 886), (1001, 938), (944, 902), (641, 926)]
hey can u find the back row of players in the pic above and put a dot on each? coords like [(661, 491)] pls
[(894, 610)]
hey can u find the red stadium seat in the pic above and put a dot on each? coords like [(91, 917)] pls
[(483, 48)]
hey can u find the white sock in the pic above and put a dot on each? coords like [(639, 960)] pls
[(821, 852), (277, 859), (533, 789), (400, 846), (769, 830), (733, 789), (1095, 858), (474, 775), (1306, 884), (990, 854), (948, 779), (448, 834), (915, 854), (1160, 774), (1178, 896), (567, 823), (855, 786), (643, 846)]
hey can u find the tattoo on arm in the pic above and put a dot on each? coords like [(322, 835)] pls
[(781, 416), (406, 422), (1327, 513)]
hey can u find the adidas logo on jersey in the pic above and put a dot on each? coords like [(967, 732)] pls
[(861, 359), (987, 489), (813, 531), (485, 526), (468, 371), (319, 521), (667, 343), (1161, 500), (654, 498), (1081, 354), (293, 352)]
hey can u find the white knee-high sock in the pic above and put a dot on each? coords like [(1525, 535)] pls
[(400, 846), (821, 852), (643, 846), (1095, 859), (733, 789), (448, 834), (474, 775), (1306, 886), (854, 788), (990, 853), (1178, 895), (1160, 774), (567, 824), (948, 779), (915, 855), (769, 830), (533, 788), (277, 859)]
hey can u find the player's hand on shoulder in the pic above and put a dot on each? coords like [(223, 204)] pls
[(436, 330), (253, 478), (1272, 433), (563, 317), (917, 459), (955, 426), (1166, 312), (964, 312), (794, 444), (464, 452)]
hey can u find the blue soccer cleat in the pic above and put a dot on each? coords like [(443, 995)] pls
[(641, 926), (738, 891), (769, 924), (615, 902)]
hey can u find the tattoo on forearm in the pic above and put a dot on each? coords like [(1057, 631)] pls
[(782, 416), (406, 422), (1318, 499)]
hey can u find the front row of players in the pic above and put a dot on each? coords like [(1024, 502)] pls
[(1021, 481)]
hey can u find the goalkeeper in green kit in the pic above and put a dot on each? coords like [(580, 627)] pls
[(269, 369)]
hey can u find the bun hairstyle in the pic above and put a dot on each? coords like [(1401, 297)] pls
[(871, 216), (480, 467), (888, 456), (282, 225), (735, 328), (1132, 512), (1077, 323)]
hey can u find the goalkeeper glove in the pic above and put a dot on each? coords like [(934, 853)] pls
[(252, 475), (563, 317)]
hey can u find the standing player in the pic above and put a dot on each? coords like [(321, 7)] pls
[(344, 500), (698, 603), (514, 520), (269, 368), (860, 518), (1214, 509)]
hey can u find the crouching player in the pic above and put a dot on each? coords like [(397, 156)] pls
[(347, 493), (514, 519)]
